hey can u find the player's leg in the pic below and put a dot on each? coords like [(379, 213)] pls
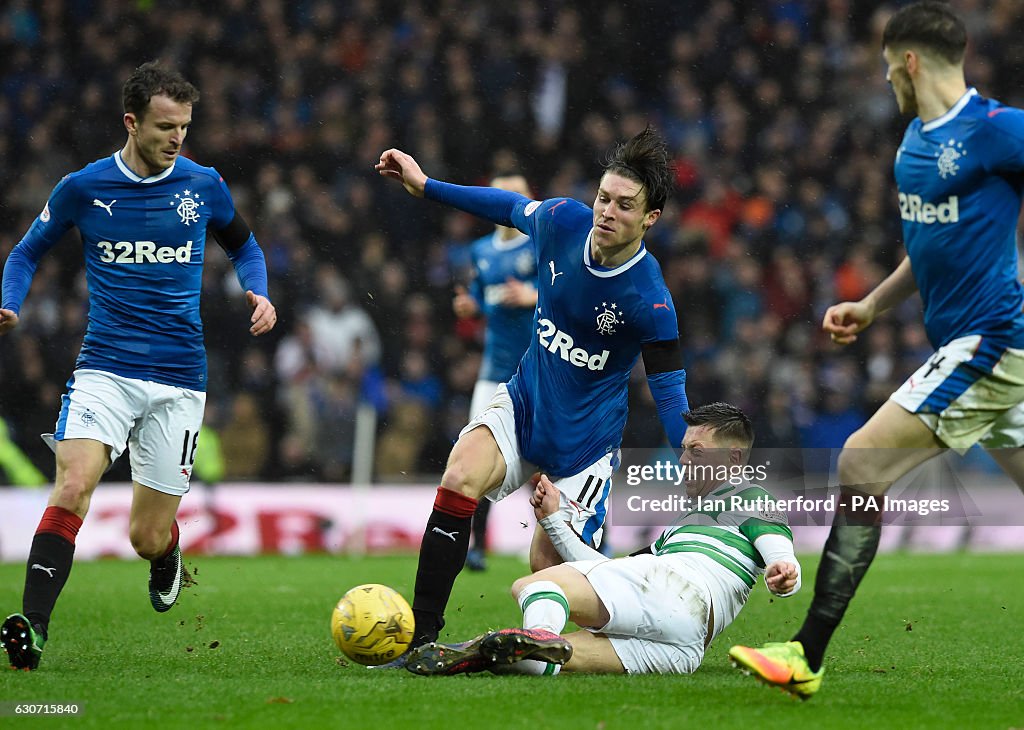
[(163, 449), (475, 467), (153, 532), (80, 464), (1010, 461), (592, 654), (476, 559), (889, 445)]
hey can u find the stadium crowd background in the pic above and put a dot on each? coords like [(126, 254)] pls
[(781, 123)]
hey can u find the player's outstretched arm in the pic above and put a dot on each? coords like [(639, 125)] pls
[(844, 320), (264, 315), (400, 166), (8, 321)]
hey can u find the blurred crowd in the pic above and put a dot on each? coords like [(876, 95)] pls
[(781, 124)]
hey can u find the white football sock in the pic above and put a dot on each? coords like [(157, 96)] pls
[(544, 606)]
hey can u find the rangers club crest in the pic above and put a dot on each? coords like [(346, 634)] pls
[(188, 206), (950, 153), (608, 316)]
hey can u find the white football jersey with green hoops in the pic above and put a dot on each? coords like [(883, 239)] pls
[(718, 540)]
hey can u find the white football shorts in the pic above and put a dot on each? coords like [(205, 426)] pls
[(483, 392), (658, 613), (969, 392), (160, 424), (584, 495)]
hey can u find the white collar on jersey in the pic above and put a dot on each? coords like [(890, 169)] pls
[(952, 113), (135, 178), (606, 273), (502, 245)]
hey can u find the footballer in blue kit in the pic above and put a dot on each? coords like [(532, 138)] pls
[(602, 304), (140, 378), (960, 178), (504, 290)]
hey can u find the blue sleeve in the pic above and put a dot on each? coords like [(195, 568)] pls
[(47, 229), (251, 267), (1004, 147), (492, 204), (224, 208), (669, 391)]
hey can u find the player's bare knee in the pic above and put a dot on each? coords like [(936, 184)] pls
[(458, 479), (520, 585), (72, 494), (148, 542), (855, 465)]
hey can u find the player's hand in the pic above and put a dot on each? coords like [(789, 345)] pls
[(463, 304), (546, 499), (397, 165), (844, 320), (518, 294), (781, 577), (264, 316), (8, 321)]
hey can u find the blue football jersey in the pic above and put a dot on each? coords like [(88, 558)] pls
[(571, 388), (143, 242), (960, 179), (508, 329)]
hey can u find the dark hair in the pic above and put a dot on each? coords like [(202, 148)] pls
[(644, 159), (931, 25), (727, 421), (151, 79)]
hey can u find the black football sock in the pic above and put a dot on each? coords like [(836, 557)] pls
[(442, 555), (846, 557), (49, 564), (480, 525)]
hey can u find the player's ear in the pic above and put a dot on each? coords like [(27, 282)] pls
[(131, 123), (651, 217)]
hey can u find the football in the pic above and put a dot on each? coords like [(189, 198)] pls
[(372, 624)]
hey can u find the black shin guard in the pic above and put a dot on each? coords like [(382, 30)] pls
[(47, 570), (442, 555), (846, 557)]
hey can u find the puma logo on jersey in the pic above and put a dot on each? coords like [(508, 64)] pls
[(661, 305), (143, 252), (559, 343), (913, 208), (554, 274), (105, 206)]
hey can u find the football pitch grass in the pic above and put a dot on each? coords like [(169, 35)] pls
[(931, 641)]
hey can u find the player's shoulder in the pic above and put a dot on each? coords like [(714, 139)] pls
[(997, 116), (187, 166), (559, 211)]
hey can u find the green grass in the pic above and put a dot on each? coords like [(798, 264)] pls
[(931, 641)]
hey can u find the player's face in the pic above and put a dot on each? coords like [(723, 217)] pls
[(620, 214), (899, 78), (157, 137), (705, 459)]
